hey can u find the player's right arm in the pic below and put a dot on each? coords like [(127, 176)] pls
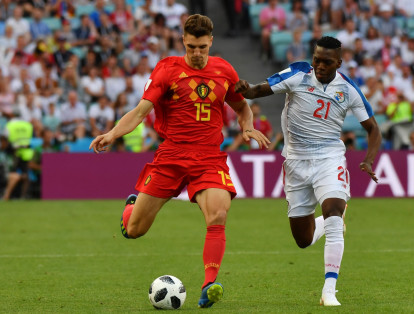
[(253, 91), (127, 123)]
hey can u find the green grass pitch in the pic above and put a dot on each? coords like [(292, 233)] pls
[(70, 257)]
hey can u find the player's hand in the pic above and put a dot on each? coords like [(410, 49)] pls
[(366, 167), (241, 86), (257, 135), (101, 143)]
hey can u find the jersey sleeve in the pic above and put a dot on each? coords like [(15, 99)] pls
[(231, 95), (156, 84), (360, 106), (284, 81)]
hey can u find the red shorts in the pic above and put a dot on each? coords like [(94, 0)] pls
[(178, 165)]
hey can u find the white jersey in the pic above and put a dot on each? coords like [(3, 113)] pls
[(313, 115)]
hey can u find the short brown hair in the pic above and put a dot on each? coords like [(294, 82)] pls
[(198, 25)]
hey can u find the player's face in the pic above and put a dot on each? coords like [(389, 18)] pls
[(325, 63), (197, 49)]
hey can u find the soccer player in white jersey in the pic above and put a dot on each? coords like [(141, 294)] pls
[(317, 99)]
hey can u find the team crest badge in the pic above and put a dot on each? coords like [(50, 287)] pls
[(147, 180), (203, 90), (339, 96)]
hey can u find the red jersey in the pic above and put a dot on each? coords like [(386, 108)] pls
[(189, 103)]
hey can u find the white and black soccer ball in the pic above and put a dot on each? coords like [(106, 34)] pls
[(167, 293)]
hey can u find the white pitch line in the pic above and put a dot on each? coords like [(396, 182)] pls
[(4, 256)]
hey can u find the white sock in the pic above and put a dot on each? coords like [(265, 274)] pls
[(334, 249), (319, 229)]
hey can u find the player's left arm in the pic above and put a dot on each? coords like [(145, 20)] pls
[(374, 144), (245, 118)]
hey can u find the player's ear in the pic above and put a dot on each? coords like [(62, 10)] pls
[(211, 41), (339, 63)]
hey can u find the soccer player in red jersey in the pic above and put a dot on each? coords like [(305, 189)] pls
[(188, 95)]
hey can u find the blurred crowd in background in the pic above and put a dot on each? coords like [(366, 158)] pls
[(69, 70)]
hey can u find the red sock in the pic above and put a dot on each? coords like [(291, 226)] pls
[(214, 247)]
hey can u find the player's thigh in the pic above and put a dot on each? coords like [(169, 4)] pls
[(146, 208), (302, 229), (332, 185), (214, 203), (298, 188)]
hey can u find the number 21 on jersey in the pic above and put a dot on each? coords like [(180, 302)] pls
[(318, 113)]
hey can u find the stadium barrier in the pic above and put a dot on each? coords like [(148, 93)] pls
[(254, 174)]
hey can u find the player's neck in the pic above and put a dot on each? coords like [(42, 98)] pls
[(195, 66)]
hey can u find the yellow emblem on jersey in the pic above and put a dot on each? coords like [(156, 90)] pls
[(203, 90), (147, 180)]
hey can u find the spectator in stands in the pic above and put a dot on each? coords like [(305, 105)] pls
[(141, 76), (6, 9), (38, 28), (153, 52), (48, 85), (172, 12), (97, 13), (385, 24), (6, 99), (260, 122), (407, 51), (372, 42), (396, 67), (6, 160), (73, 117), (66, 32), (69, 80), (373, 91), (160, 30), (106, 50), (368, 67), (16, 84), (316, 35), (121, 17), (400, 115), (134, 52), (19, 134), (359, 51), (51, 120), (64, 9), (93, 86), (62, 55), (115, 83), (348, 35), (231, 17), (8, 41), (353, 73), (86, 33), (297, 19), (30, 111), (88, 62), (404, 8), (49, 145), (144, 15), (20, 25), (110, 66), (323, 15), (388, 52), (272, 18), (101, 116), (296, 50), (404, 81), (107, 28)]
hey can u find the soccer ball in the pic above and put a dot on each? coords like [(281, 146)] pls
[(167, 293)]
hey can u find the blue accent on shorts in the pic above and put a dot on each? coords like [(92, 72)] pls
[(331, 275)]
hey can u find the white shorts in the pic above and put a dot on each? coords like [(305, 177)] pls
[(307, 182)]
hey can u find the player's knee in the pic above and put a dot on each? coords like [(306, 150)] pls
[(217, 218), (135, 233), (303, 243)]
